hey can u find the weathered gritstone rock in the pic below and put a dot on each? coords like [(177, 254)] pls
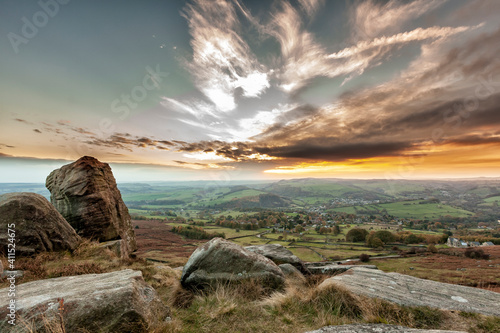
[(291, 271), (412, 291), (279, 255), (85, 193), (336, 269), (38, 225), (375, 328), (111, 302), (220, 260), (117, 247)]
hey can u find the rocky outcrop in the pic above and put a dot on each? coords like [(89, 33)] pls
[(412, 291), (85, 193), (117, 247), (111, 302), (279, 255), (37, 225), (291, 272), (337, 269), (220, 260), (374, 328)]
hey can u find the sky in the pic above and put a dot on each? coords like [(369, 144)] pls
[(226, 90)]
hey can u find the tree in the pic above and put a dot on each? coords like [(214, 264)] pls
[(364, 257), (336, 230), (356, 235), (373, 241), (432, 248), (412, 239), (385, 236)]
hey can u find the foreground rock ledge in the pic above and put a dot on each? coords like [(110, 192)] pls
[(85, 193), (220, 260), (38, 225), (412, 291), (375, 328), (111, 302)]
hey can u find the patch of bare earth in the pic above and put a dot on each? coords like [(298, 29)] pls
[(156, 241)]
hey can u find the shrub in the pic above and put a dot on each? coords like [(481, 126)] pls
[(364, 257), (475, 253), (196, 232), (426, 317), (432, 248), (412, 250), (77, 269)]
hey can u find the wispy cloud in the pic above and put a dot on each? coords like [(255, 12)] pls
[(222, 61), (311, 7), (370, 19), (128, 143)]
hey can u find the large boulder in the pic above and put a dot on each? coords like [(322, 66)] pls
[(375, 328), (111, 302), (411, 291), (220, 260), (279, 255), (37, 225), (85, 193)]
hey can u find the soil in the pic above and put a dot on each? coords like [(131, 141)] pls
[(155, 241)]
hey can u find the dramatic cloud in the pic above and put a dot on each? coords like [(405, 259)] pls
[(312, 86), (222, 61)]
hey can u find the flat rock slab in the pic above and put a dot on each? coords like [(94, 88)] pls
[(111, 302), (411, 291), (336, 269), (375, 328)]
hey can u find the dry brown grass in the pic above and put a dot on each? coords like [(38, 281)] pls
[(250, 306)]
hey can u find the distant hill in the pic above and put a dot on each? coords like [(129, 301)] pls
[(456, 198)]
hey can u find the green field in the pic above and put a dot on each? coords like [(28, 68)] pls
[(410, 209), (491, 201), (225, 198)]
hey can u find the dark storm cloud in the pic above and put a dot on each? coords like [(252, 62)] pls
[(337, 152), (328, 149), (473, 140)]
